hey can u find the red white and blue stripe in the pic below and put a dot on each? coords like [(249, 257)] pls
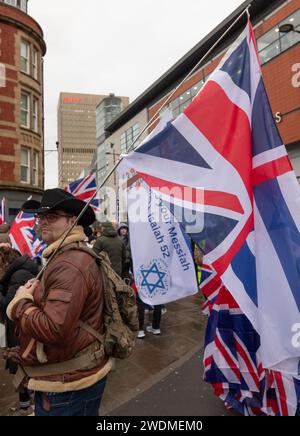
[(2, 211), (23, 236), (84, 189)]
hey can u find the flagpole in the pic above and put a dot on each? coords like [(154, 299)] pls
[(150, 122)]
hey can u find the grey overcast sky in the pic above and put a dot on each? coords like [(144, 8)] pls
[(119, 46)]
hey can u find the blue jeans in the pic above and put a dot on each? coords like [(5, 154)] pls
[(85, 402)]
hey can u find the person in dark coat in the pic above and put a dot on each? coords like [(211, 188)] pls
[(4, 238), (15, 271), (113, 246), (123, 232)]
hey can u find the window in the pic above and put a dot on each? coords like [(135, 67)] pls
[(25, 165), (289, 39), (296, 166), (24, 5), (25, 110), (128, 138), (10, 2), (294, 155), (273, 42), (181, 103), (2, 76), (123, 143), (35, 168), (106, 112), (35, 63), (24, 63), (21, 4), (135, 132), (35, 111)]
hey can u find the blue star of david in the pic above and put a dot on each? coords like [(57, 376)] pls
[(159, 281)]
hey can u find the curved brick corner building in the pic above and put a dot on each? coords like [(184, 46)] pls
[(22, 48)]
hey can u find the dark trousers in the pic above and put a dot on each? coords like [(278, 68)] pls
[(24, 398), (85, 402), (156, 314)]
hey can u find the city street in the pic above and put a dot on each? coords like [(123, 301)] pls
[(171, 145), (163, 377)]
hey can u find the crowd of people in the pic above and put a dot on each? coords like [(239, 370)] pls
[(49, 347)]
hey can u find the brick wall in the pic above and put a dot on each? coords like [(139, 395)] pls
[(283, 95), (7, 112), (6, 170), (7, 44), (7, 146), (280, 15), (12, 136), (9, 90), (21, 17)]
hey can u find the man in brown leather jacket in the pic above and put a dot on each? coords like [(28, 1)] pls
[(62, 360)]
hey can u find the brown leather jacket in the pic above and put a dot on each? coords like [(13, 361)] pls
[(73, 291)]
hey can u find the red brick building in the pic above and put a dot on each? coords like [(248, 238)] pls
[(22, 48)]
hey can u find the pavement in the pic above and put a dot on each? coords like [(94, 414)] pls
[(162, 377)]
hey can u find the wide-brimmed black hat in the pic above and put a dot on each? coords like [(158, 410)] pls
[(58, 199)]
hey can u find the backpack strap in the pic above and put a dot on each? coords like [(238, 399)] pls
[(88, 358), (82, 247), (77, 246), (102, 257), (90, 329)]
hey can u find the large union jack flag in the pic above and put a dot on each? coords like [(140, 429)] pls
[(2, 211), (84, 189), (23, 236), (225, 151)]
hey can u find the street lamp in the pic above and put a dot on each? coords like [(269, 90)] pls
[(114, 154), (288, 27)]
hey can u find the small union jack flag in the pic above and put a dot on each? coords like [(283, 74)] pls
[(84, 189), (23, 236), (2, 211)]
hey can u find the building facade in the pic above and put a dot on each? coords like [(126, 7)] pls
[(280, 58), (107, 155), (76, 118), (81, 120), (22, 49), (107, 152), (106, 112)]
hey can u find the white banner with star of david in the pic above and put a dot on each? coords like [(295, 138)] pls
[(164, 268), (162, 253)]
